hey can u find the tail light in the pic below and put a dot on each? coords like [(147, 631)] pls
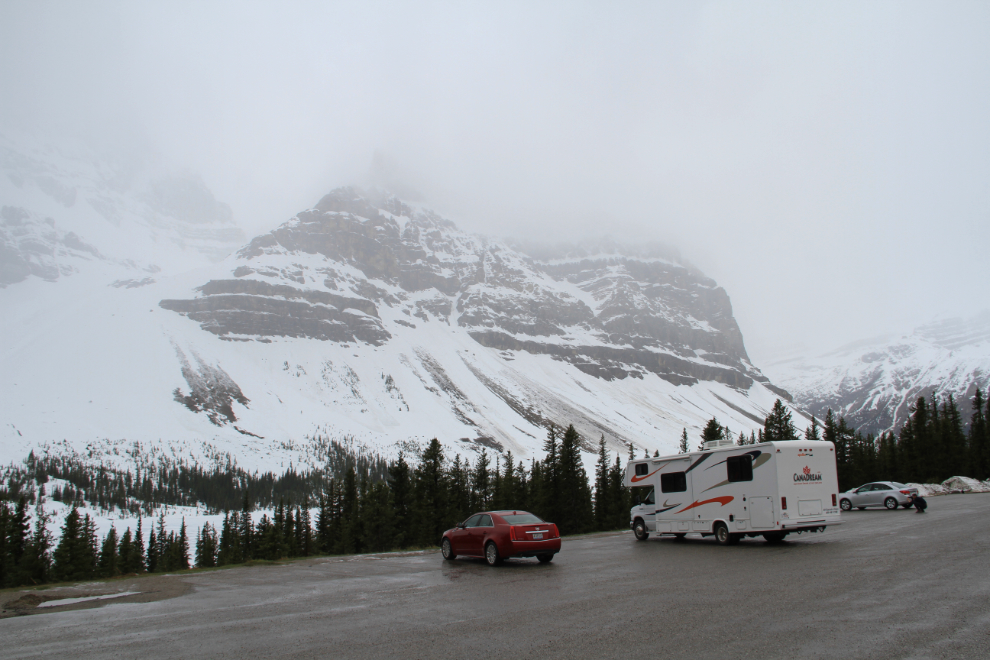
[(833, 499), (555, 533), (783, 503), (905, 492), (512, 534)]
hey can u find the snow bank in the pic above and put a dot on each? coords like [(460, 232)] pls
[(953, 485)]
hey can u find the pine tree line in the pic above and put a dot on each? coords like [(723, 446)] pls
[(932, 446), (409, 508), (178, 483)]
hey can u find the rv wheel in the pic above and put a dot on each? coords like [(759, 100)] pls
[(722, 534), (679, 537), (639, 529), (774, 537)]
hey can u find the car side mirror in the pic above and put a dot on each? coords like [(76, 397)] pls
[(460, 525)]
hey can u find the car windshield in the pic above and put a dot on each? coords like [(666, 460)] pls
[(520, 518)]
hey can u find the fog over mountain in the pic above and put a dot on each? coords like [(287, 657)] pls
[(822, 167)]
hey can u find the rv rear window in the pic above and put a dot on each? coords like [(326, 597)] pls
[(673, 482), (641, 469), (740, 468)]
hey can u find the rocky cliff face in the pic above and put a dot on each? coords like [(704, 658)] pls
[(874, 383), (329, 272), (457, 316)]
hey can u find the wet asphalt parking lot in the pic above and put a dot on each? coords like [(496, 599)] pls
[(885, 584)]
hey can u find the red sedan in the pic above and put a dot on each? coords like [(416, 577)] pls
[(498, 535)]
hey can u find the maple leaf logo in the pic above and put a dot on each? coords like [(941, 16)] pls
[(807, 470)]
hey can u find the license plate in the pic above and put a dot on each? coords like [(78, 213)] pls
[(537, 537)]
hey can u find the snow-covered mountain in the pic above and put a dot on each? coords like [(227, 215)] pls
[(363, 317), (57, 205), (873, 383)]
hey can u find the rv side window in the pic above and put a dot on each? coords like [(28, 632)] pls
[(673, 482), (740, 468), (641, 469)]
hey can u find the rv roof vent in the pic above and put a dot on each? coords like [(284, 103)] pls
[(721, 442)]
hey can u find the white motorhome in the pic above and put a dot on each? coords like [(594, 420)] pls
[(769, 489)]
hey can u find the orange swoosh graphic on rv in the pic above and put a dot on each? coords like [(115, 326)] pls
[(646, 476), (725, 499)]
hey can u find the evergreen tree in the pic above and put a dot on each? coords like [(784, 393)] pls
[(603, 503), (618, 496), (18, 535), (712, 431), (376, 513), (36, 562), (349, 529), (812, 432), (6, 515), (206, 547), (139, 560), (482, 484), (324, 522), (460, 490), (778, 425), (978, 459), (431, 491), (576, 509), (152, 562), (550, 504), (182, 548), (70, 554), (109, 561), (401, 486), (246, 535)]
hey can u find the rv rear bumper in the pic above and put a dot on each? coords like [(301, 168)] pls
[(809, 525)]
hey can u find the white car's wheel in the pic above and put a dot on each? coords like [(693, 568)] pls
[(890, 503), (845, 505)]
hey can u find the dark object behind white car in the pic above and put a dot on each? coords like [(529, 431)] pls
[(888, 494)]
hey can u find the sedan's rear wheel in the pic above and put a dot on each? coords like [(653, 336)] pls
[(639, 529), (861, 508), (447, 550), (890, 503), (845, 505), (722, 534), (545, 559), (491, 554)]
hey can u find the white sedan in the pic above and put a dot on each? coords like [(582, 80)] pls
[(878, 493)]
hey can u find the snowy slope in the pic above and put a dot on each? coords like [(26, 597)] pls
[(873, 383), (370, 319)]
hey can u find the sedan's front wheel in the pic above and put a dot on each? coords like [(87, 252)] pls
[(845, 505), (447, 551), (491, 554), (890, 503)]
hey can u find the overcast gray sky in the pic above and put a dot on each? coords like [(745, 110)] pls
[(827, 163)]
